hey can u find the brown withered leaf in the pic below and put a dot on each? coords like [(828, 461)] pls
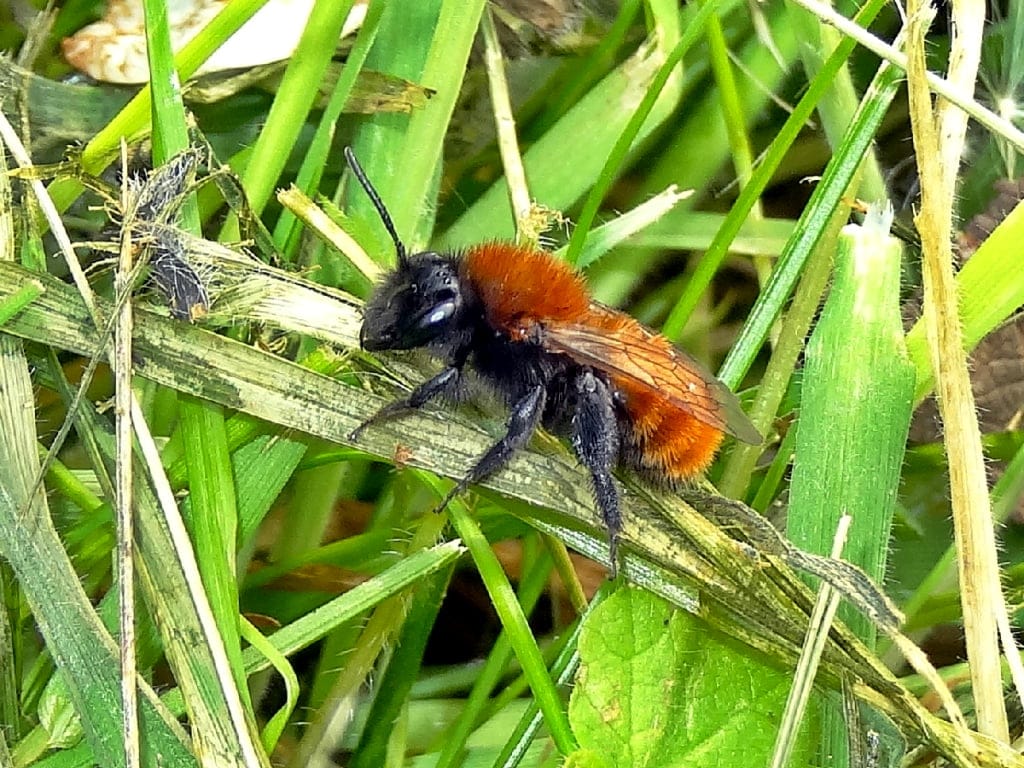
[(997, 363)]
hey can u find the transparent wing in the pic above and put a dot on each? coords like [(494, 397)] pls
[(624, 349)]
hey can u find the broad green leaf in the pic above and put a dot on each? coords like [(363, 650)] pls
[(658, 687)]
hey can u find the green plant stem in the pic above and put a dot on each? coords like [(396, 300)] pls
[(788, 347), (299, 87), (822, 205), (454, 740), (514, 623), (313, 163)]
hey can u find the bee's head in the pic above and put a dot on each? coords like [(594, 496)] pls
[(415, 305)]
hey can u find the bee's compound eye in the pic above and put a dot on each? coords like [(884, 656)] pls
[(439, 314), (442, 312)]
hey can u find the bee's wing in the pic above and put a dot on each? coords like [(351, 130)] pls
[(623, 348)]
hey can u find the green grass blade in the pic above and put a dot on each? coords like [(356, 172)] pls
[(855, 414), (314, 162), (14, 304), (531, 586), (617, 155), (826, 198), (74, 635), (211, 504), (513, 621), (862, 131), (279, 720), (354, 603), (839, 104), (400, 154), (170, 135), (295, 96), (211, 514)]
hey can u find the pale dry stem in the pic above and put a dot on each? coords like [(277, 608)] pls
[(938, 140)]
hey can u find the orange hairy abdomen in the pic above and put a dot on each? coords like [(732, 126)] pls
[(670, 442)]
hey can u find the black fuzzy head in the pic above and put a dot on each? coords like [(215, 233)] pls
[(421, 302)]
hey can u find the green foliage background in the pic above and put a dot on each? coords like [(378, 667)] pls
[(262, 531)]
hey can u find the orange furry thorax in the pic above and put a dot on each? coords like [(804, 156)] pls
[(514, 282)]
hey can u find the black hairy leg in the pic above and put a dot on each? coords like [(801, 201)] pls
[(523, 421), (443, 383), (595, 438)]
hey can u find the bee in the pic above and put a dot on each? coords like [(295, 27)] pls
[(524, 321)]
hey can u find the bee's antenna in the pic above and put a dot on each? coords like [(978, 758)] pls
[(385, 217)]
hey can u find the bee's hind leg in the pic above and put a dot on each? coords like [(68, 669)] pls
[(595, 438)]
